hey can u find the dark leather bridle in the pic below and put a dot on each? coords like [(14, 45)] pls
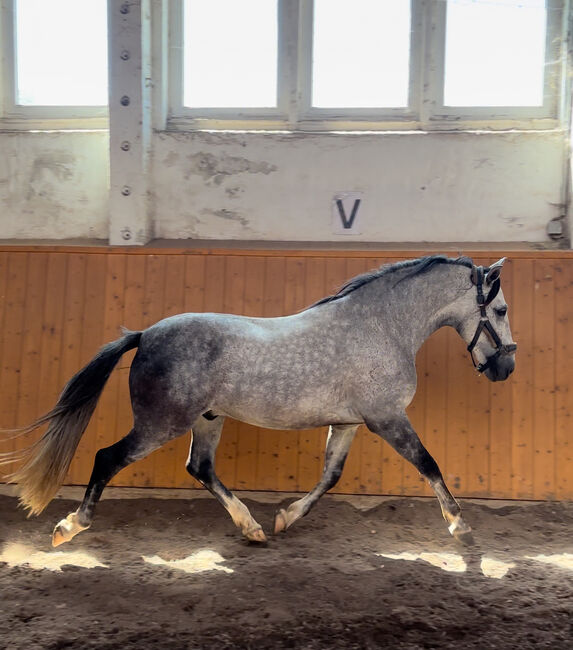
[(478, 276)]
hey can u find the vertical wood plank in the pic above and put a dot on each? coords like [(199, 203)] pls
[(478, 438), (34, 293), (14, 313), (544, 381), (521, 320), (563, 270), (52, 331), (194, 288)]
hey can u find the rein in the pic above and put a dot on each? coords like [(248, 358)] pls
[(484, 324)]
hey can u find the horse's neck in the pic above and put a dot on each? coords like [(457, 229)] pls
[(412, 309)]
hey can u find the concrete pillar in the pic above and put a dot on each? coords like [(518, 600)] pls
[(129, 25)]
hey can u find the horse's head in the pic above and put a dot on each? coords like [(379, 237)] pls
[(485, 324)]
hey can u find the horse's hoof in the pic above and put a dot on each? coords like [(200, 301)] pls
[(60, 534), (461, 531), (66, 529), (280, 521), (256, 535)]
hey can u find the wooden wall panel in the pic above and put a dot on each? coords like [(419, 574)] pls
[(508, 440), (13, 321), (563, 274), (521, 318)]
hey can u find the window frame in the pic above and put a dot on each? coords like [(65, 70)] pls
[(555, 36), (20, 116), (425, 110)]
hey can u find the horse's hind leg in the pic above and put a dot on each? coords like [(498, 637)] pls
[(108, 462), (201, 465), (398, 432), (337, 445)]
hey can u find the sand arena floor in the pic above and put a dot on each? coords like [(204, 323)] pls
[(166, 569)]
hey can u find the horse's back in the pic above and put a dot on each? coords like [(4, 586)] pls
[(262, 370)]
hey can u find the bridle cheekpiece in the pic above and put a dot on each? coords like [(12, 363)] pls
[(478, 276)]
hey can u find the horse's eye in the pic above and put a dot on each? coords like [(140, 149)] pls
[(501, 311)]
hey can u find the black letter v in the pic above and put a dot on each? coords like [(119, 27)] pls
[(347, 223)]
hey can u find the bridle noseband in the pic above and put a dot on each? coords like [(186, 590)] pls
[(478, 276)]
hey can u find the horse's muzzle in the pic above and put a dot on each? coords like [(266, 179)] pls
[(500, 367)]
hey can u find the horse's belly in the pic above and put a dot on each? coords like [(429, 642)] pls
[(278, 419)]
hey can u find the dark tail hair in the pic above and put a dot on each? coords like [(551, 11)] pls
[(47, 460)]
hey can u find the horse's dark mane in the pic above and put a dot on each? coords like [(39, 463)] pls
[(414, 267)]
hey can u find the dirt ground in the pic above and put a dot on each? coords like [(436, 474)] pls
[(322, 585)]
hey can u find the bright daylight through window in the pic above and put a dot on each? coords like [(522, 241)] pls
[(361, 53), (230, 53), (297, 60), (61, 52), (303, 61), (495, 53)]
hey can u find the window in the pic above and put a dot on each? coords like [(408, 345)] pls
[(56, 58), (328, 64), (230, 62), (360, 53), (495, 53)]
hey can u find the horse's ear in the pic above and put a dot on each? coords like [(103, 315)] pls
[(494, 271)]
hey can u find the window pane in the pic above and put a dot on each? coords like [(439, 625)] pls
[(61, 52), (361, 53), (495, 53), (230, 53)]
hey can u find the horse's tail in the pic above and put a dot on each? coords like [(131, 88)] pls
[(48, 459)]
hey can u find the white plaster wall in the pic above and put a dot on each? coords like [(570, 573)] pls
[(54, 185), (258, 186), (416, 187)]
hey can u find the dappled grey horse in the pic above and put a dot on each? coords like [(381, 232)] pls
[(347, 360)]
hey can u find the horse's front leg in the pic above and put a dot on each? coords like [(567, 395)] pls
[(201, 465), (337, 446), (398, 432)]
